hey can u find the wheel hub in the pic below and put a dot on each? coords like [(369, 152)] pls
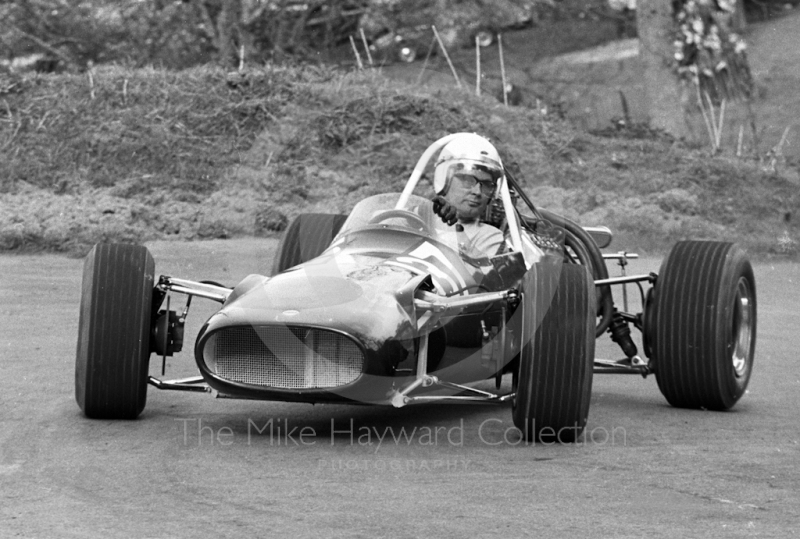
[(742, 330)]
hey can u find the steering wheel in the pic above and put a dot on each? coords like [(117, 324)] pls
[(414, 220)]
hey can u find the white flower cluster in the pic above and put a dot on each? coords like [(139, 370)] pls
[(620, 5), (703, 43)]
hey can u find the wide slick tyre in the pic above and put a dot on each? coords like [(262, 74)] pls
[(704, 325), (554, 380), (113, 352), (306, 237)]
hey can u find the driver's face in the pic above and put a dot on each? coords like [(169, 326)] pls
[(469, 196)]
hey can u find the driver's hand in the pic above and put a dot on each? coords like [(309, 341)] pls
[(445, 210)]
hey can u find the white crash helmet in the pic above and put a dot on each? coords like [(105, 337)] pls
[(468, 153)]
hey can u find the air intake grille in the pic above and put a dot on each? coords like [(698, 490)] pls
[(286, 357)]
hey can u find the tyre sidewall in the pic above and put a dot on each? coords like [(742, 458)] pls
[(732, 387)]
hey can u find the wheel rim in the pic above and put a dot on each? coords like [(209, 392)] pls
[(742, 330)]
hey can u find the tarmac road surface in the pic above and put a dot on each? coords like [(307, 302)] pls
[(196, 466)]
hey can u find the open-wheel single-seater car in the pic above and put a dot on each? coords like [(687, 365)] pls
[(390, 306)]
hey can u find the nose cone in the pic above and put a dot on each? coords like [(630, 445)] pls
[(360, 301), (283, 297), (301, 290)]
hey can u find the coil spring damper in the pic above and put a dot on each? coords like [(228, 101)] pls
[(621, 334)]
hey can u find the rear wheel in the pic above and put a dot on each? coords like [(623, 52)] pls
[(305, 238), (554, 381), (704, 325), (113, 352)]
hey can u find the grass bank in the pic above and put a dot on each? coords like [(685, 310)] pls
[(123, 155)]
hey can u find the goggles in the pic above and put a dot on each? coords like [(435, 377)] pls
[(469, 174), (480, 172), (469, 181)]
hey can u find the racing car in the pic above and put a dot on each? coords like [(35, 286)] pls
[(388, 306)]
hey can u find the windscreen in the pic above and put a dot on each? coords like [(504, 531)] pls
[(417, 217)]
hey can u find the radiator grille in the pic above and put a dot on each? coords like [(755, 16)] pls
[(286, 357)]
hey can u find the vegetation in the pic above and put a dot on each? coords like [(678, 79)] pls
[(118, 154), (73, 35)]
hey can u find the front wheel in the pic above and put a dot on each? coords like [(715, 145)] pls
[(554, 380), (704, 325), (113, 354)]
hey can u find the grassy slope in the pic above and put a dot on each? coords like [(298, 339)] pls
[(138, 155)]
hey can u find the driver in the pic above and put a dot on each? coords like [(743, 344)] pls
[(465, 179)]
